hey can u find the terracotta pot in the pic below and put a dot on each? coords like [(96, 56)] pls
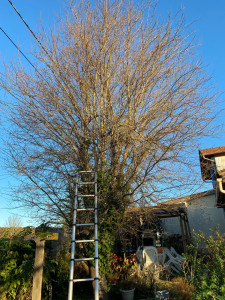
[(160, 250)]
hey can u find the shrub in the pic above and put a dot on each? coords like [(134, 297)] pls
[(16, 269), (181, 289), (121, 269), (56, 274), (146, 280), (205, 265)]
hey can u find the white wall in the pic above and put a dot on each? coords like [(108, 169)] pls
[(202, 215)]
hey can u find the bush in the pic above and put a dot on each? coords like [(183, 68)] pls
[(146, 280), (181, 289), (16, 269), (56, 274), (205, 265)]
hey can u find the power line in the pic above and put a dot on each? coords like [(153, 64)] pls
[(20, 51), (60, 82), (31, 31), (39, 42)]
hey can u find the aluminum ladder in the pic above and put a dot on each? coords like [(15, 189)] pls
[(76, 210)]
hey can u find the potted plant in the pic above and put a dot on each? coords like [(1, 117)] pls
[(123, 272), (127, 289)]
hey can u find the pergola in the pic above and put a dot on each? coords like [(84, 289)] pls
[(172, 212), (167, 211)]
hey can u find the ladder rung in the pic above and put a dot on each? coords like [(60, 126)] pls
[(84, 241), (86, 224), (83, 279), (82, 209), (87, 182), (85, 195), (84, 259)]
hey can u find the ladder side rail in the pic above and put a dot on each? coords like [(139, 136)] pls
[(96, 243), (70, 293)]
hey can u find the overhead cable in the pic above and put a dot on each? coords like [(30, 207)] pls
[(31, 31), (60, 82), (20, 51)]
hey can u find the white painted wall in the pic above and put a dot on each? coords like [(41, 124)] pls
[(202, 215)]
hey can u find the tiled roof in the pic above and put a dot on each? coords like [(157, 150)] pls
[(159, 211), (171, 207), (212, 151), (188, 198)]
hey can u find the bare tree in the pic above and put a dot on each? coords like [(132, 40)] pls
[(14, 225), (13, 222), (114, 90)]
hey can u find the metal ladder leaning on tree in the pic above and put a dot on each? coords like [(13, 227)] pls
[(74, 241)]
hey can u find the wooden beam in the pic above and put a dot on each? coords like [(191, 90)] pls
[(189, 230), (182, 232)]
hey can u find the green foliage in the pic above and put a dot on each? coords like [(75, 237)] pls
[(205, 265), (111, 206), (16, 268), (106, 242), (56, 274)]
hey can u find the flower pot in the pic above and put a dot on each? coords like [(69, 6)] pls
[(160, 250), (128, 294)]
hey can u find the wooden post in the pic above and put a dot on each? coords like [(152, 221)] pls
[(39, 239), (38, 268), (186, 229), (39, 262), (189, 230), (182, 232)]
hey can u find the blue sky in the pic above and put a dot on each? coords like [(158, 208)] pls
[(209, 28), (32, 11)]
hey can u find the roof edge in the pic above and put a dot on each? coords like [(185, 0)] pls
[(189, 197)]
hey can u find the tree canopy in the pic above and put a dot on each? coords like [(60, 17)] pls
[(114, 90)]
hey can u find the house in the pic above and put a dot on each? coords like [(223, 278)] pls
[(203, 212)]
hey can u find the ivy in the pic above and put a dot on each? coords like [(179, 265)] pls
[(16, 268)]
